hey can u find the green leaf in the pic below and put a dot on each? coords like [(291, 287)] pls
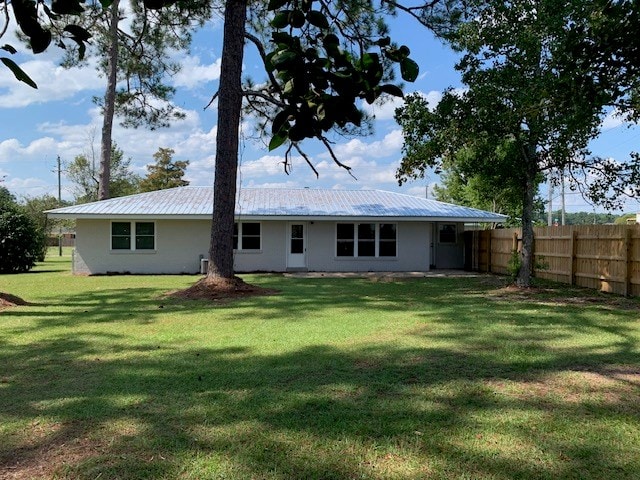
[(281, 19), (18, 72), (79, 33), (276, 4), (282, 58), (106, 3), (288, 87), (370, 60), (279, 121), (318, 19), (409, 70), (9, 49), (391, 89), (296, 19), (383, 42), (277, 140), (67, 7), (282, 37)]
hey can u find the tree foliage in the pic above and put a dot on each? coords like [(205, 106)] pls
[(524, 112), (84, 173), (36, 22), (165, 173), (21, 241)]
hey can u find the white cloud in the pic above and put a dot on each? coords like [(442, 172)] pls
[(54, 83), (194, 73), (613, 120), (13, 151)]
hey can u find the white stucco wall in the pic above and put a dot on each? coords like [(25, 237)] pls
[(181, 243)]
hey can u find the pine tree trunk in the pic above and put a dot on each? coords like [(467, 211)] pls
[(104, 177), (229, 112), (526, 256)]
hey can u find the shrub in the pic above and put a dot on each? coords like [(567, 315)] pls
[(20, 242)]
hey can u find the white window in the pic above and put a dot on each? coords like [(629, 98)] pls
[(133, 236), (366, 240), (246, 236)]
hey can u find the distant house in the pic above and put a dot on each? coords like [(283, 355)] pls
[(276, 230)]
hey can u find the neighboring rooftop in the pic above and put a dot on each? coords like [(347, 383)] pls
[(256, 203)]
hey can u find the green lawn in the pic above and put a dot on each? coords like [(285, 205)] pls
[(454, 378)]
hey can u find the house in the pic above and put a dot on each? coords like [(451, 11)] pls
[(276, 230)]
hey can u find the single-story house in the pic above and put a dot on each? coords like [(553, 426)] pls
[(276, 230)]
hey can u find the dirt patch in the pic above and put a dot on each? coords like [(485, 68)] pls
[(563, 296), (49, 449), (8, 300), (221, 290)]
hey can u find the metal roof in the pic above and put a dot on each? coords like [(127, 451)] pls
[(194, 202)]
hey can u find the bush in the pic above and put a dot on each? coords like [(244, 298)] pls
[(20, 242)]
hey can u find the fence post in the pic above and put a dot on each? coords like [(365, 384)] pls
[(628, 245), (574, 260), (489, 251)]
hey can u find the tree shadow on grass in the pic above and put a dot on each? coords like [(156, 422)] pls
[(316, 412)]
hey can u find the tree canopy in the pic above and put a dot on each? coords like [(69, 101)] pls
[(165, 173), (523, 113)]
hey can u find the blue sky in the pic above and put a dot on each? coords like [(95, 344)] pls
[(60, 119)]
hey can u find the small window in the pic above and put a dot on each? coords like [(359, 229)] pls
[(387, 242), (246, 236), (447, 233), (345, 240), (121, 236), (145, 236), (133, 236), (367, 240)]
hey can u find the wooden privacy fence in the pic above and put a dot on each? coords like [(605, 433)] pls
[(602, 257)]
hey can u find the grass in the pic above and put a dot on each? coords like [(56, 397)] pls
[(452, 378)]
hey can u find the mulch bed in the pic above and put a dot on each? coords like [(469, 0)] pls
[(221, 290), (8, 300)]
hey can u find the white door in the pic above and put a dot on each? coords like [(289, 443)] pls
[(297, 245)]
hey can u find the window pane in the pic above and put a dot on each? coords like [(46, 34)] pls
[(250, 229), (145, 243), (345, 231), (297, 245), (121, 243), (297, 231), (366, 231), (387, 248), (250, 243), (345, 248), (448, 233), (388, 231), (145, 228), (121, 228), (366, 248)]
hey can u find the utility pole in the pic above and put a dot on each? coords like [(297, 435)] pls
[(59, 204)]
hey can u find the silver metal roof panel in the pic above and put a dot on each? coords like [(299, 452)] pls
[(275, 202)]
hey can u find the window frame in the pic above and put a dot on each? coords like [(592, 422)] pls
[(133, 236), (239, 235), (356, 241)]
